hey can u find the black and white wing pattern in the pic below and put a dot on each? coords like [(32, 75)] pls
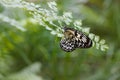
[(68, 45), (82, 41), (74, 39)]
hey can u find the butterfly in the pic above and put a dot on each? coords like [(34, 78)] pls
[(74, 39)]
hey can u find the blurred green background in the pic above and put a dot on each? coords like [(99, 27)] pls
[(19, 50)]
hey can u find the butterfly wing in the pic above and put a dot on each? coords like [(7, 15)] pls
[(82, 41), (67, 45)]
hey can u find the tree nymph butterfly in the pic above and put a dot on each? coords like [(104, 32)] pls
[(74, 39)]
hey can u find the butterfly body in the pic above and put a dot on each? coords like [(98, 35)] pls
[(74, 39)]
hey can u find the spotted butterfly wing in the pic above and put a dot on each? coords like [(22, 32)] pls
[(67, 45), (74, 39), (82, 41)]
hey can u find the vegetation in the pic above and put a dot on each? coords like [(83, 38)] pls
[(30, 32)]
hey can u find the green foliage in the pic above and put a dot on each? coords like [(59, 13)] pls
[(30, 32), (28, 73), (48, 17)]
